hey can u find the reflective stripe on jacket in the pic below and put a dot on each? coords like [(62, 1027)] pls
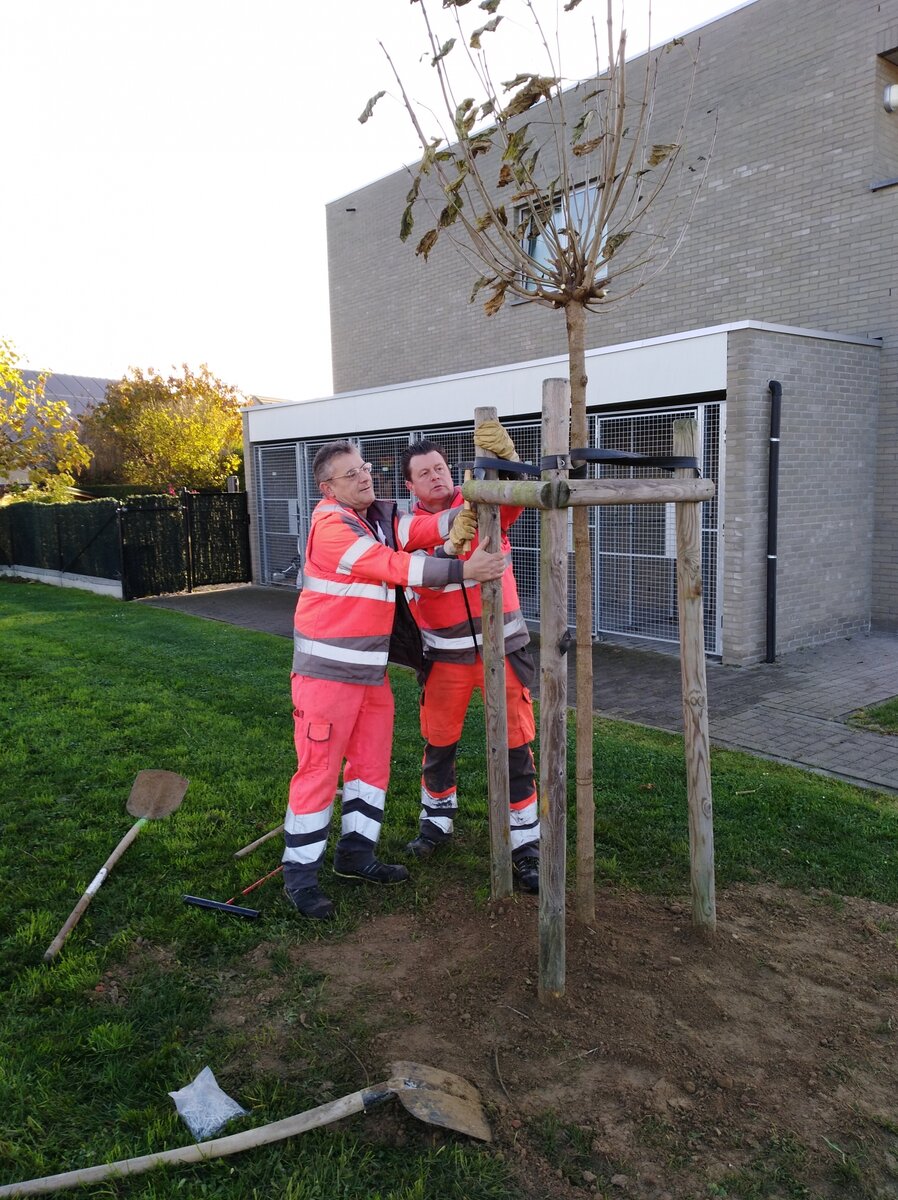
[(446, 621), (353, 563)]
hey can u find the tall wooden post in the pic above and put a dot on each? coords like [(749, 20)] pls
[(695, 691), (553, 599), (490, 532)]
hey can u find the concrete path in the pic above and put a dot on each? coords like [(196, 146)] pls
[(794, 711)]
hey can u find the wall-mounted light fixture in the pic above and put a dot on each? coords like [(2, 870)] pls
[(890, 98)]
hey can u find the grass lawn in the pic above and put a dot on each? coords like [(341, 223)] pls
[(93, 691), (881, 718)]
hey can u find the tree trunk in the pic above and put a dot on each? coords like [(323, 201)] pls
[(553, 597), (575, 315)]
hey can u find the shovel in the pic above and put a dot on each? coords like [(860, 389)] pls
[(435, 1096), (154, 794)]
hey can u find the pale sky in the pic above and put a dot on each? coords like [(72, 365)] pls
[(167, 163)]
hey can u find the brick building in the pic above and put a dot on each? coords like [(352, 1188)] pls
[(788, 272)]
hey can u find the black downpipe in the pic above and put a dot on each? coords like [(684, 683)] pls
[(773, 470)]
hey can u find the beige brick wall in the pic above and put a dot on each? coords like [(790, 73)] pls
[(787, 230), (827, 458)]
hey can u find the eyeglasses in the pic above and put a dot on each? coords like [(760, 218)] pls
[(364, 469)]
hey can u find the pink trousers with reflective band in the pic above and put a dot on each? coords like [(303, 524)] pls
[(336, 721)]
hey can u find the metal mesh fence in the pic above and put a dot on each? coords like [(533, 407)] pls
[(633, 547)]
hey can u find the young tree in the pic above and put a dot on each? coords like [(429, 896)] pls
[(182, 431), (39, 441), (557, 193)]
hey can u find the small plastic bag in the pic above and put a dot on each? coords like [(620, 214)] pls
[(204, 1106)]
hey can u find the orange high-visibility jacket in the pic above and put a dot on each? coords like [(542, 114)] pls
[(353, 563), (446, 621)]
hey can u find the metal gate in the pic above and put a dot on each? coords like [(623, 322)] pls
[(633, 548), (174, 544)]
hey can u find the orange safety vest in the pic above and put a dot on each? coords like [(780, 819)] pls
[(353, 563), (446, 620)]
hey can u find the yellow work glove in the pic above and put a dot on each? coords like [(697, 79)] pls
[(462, 533), (492, 438)]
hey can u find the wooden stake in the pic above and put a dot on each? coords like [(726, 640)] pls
[(490, 534), (695, 691), (553, 592)]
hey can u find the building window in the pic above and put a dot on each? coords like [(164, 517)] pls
[(543, 239)]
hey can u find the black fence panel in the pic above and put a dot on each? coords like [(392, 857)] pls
[(153, 553), (35, 542), (217, 526), (89, 539), (6, 558), (153, 544), (80, 539)]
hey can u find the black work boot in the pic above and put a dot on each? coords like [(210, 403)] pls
[(369, 870), (311, 902), (526, 874), (422, 847)]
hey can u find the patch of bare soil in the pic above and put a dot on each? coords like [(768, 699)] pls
[(672, 1066)]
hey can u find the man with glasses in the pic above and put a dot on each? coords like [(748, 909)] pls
[(449, 618), (358, 551)]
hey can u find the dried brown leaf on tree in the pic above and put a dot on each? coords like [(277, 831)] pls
[(369, 107), (517, 145), (505, 176), (465, 116), (429, 156), (482, 282), (481, 143), (406, 224), (571, 5), (539, 88), (611, 244), (495, 302), (449, 215), (489, 27), (444, 50), (587, 147), (511, 84), (662, 151), (489, 6), (427, 243), (583, 125)]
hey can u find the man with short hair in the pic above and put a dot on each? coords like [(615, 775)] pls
[(358, 551), (449, 618)]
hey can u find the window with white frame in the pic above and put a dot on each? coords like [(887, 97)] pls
[(541, 244)]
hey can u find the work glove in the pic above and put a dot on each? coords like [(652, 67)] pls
[(494, 439), (462, 533)]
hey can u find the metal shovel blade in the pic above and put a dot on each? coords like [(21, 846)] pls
[(439, 1098), (155, 794)]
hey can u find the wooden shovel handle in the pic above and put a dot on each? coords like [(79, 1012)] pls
[(218, 1148), (258, 842), (92, 888)]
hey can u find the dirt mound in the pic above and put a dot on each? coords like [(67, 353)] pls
[(672, 1066)]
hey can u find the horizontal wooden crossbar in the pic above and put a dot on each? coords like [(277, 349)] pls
[(563, 493)]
